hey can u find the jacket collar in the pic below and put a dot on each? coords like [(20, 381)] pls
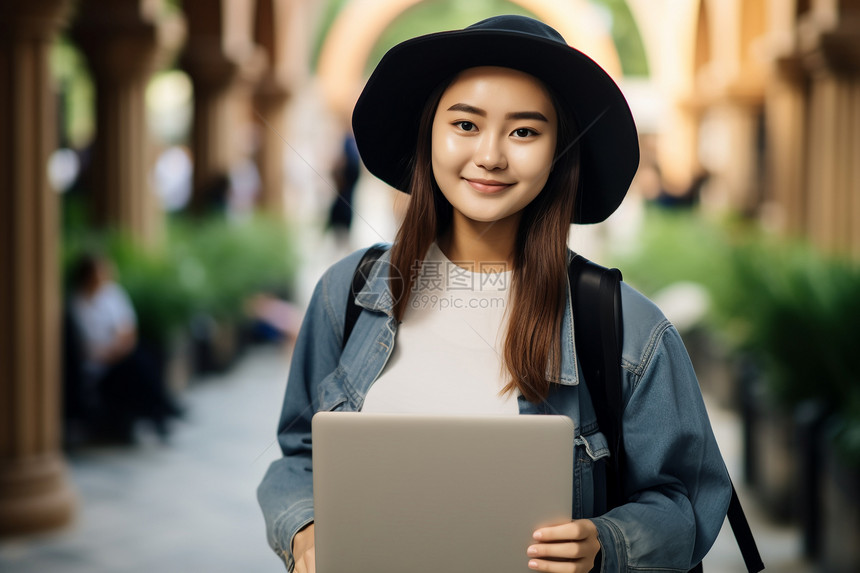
[(375, 296)]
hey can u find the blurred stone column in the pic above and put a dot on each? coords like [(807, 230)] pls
[(853, 180), (211, 137), (34, 489), (740, 111), (282, 33), (831, 51), (270, 107), (786, 142), (222, 64), (823, 165), (125, 41)]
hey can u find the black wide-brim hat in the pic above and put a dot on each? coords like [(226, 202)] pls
[(386, 115)]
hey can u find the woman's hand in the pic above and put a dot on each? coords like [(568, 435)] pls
[(303, 550), (568, 548)]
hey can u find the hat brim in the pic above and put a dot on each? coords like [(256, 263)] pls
[(386, 115)]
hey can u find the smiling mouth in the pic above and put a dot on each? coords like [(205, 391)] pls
[(488, 186)]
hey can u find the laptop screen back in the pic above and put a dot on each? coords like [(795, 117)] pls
[(418, 493)]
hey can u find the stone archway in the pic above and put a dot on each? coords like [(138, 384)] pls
[(668, 31), (347, 47)]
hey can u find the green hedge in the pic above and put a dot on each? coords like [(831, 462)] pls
[(796, 310)]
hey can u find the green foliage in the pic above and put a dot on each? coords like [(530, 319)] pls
[(675, 246), (846, 435), (628, 41), (162, 302), (76, 91), (794, 309), (798, 311), (437, 15), (223, 262), (329, 14), (209, 266)]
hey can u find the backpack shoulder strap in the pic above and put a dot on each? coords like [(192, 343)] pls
[(743, 535), (596, 298), (359, 278), (598, 329)]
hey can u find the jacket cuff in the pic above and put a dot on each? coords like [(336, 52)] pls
[(612, 545), (293, 520)]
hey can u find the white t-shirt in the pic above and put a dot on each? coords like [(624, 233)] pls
[(100, 318), (448, 353)]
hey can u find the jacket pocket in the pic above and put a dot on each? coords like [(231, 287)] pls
[(591, 452)]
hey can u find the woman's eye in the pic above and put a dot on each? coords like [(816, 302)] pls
[(466, 125), (524, 132)]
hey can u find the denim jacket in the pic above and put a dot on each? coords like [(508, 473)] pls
[(677, 487)]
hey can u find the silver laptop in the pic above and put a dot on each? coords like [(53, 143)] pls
[(406, 493)]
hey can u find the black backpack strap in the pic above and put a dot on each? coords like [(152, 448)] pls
[(596, 297), (359, 278), (598, 329), (743, 535)]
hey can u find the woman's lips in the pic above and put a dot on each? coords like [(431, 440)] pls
[(487, 185)]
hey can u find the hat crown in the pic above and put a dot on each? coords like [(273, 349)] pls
[(518, 24)]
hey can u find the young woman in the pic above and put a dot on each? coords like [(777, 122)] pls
[(503, 135)]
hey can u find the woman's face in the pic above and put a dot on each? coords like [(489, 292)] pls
[(493, 141)]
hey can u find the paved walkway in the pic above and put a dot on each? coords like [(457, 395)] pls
[(190, 506)]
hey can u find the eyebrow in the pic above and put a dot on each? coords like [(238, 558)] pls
[(466, 108)]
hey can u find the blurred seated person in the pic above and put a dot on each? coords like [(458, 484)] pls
[(120, 378)]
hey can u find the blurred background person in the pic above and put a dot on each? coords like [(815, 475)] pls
[(121, 382), (345, 172)]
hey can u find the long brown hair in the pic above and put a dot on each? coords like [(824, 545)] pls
[(532, 349)]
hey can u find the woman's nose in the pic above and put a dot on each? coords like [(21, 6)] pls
[(490, 153)]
